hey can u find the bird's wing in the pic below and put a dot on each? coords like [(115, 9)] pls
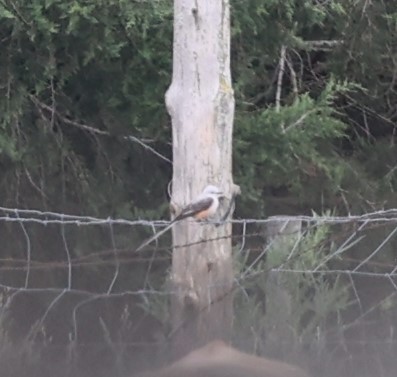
[(194, 208)]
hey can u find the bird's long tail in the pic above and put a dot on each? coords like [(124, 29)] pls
[(157, 235)]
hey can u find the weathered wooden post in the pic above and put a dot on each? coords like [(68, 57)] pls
[(200, 101)]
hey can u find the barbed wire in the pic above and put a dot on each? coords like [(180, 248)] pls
[(19, 215), (24, 216), (23, 263)]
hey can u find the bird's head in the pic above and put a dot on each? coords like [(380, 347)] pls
[(213, 190)]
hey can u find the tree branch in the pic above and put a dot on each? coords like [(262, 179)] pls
[(280, 77), (94, 130)]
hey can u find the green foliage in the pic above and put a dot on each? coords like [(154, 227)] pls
[(316, 298), (274, 147), (107, 65), (77, 76), (319, 165), (98, 63)]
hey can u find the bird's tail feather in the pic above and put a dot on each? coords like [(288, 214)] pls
[(155, 236)]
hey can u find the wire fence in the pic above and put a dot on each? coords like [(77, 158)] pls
[(55, 265)]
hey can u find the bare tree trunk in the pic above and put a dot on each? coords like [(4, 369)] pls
[(201, 104)]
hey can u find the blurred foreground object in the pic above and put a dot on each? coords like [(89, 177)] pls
[(216, 359)]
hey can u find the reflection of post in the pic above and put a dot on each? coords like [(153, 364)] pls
[(282, 234)]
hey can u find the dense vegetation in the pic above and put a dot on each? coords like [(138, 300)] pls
[(78, 77)]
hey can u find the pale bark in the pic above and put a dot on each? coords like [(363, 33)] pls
[(201, 104)]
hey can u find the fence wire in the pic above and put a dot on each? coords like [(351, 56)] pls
[(76, 264)]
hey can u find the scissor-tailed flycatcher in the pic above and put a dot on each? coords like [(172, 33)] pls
[(202, 208)]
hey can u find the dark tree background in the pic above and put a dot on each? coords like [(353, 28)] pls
[(77, 77)]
